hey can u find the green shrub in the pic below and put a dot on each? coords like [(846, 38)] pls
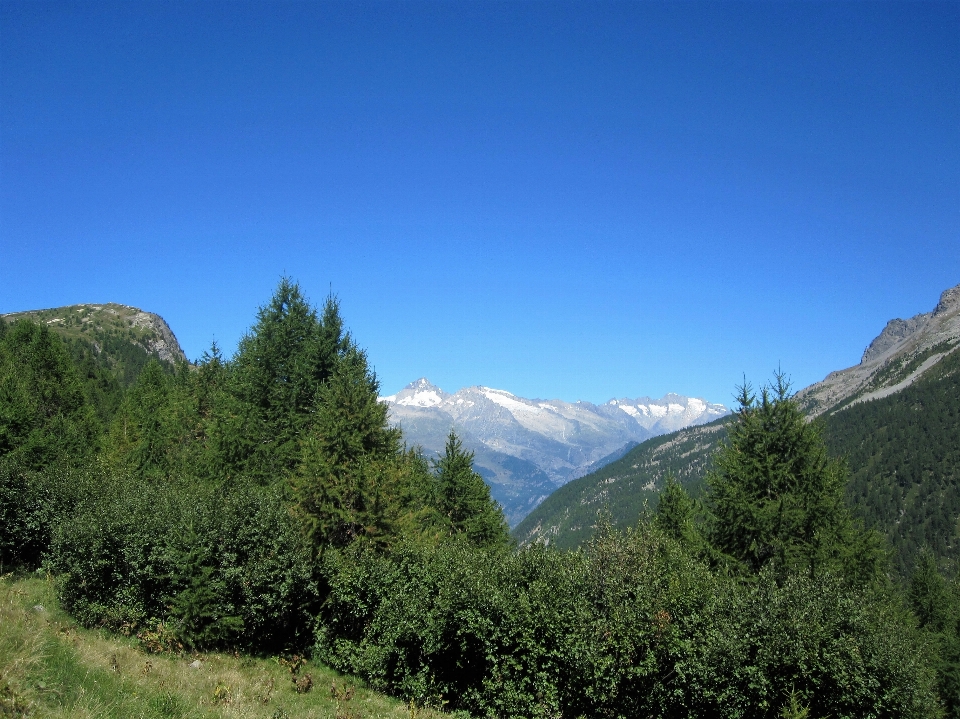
[(24, 516), (632, 626), (223, 567)]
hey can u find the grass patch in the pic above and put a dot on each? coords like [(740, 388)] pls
[(50, 667)]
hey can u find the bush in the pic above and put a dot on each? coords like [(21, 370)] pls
[(24, 516), (222, 567), (632, 626)]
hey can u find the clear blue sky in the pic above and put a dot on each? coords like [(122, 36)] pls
[(564, 200)]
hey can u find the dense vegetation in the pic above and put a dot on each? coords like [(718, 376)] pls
[(263, 503), (903, 451), (904, 454)]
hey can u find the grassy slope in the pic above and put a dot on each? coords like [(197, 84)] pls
[(49, 667)]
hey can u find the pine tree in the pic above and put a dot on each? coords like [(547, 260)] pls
[(464, 498), (776, 496), (930, 594), (676, 515), (44, 412)]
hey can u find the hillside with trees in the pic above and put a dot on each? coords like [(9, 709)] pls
[(262, 505)]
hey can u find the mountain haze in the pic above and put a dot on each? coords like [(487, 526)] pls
[(526, 448)]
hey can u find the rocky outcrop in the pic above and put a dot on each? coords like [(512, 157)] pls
[(90, 321), (165, 343), (900, 354)]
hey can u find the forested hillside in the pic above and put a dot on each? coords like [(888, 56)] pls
[(903, 451), (904, 456), (624, 488), (262, 504)]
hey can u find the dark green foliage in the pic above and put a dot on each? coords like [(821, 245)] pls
[(930, 595), (44, 414), (464, 498), (632, 626), (199, 609), (777, 497), (102, 387), (288, 354), (24, 516), (342, 486), (936, 605), (225, 568), (904, 452), (143, 429), (677, 516)]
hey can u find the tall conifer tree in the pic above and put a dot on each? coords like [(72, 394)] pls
[(279, 365), (44, 412), (777, 497), (465, 498), (342, 484)]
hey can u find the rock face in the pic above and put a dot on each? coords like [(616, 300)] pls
[(901, 353), (526, 448), (146, 329)]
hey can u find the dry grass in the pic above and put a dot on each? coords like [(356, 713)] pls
[(49, 667)]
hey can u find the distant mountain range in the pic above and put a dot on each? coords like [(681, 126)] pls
[(526, 448), (895, 416)]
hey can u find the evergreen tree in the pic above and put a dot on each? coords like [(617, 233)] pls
[(930, 594), (676, 515), (464, 498), (44, 412), (342, 484), (776, 496), (279, 365)]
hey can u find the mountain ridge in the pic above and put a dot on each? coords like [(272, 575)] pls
[(902, 352), (90, 321)]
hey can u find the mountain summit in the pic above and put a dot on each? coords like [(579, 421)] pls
[(526, 448)]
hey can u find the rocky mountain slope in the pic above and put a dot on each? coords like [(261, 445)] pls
[(900, 354), (526, 448), (877, 414), (95, 323)]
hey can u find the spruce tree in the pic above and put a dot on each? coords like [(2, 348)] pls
[(44, 412), (676, 515), (777, 497), (464, 498), (279, 365), (930, 594)]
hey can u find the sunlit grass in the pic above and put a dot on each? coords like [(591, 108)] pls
[(50, 667)]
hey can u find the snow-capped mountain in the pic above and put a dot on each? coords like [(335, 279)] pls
[(526, 448)]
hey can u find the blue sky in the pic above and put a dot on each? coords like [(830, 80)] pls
[(564, 200)]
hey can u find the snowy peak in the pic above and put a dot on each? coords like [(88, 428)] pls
[(418, 394), (670, 412)]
